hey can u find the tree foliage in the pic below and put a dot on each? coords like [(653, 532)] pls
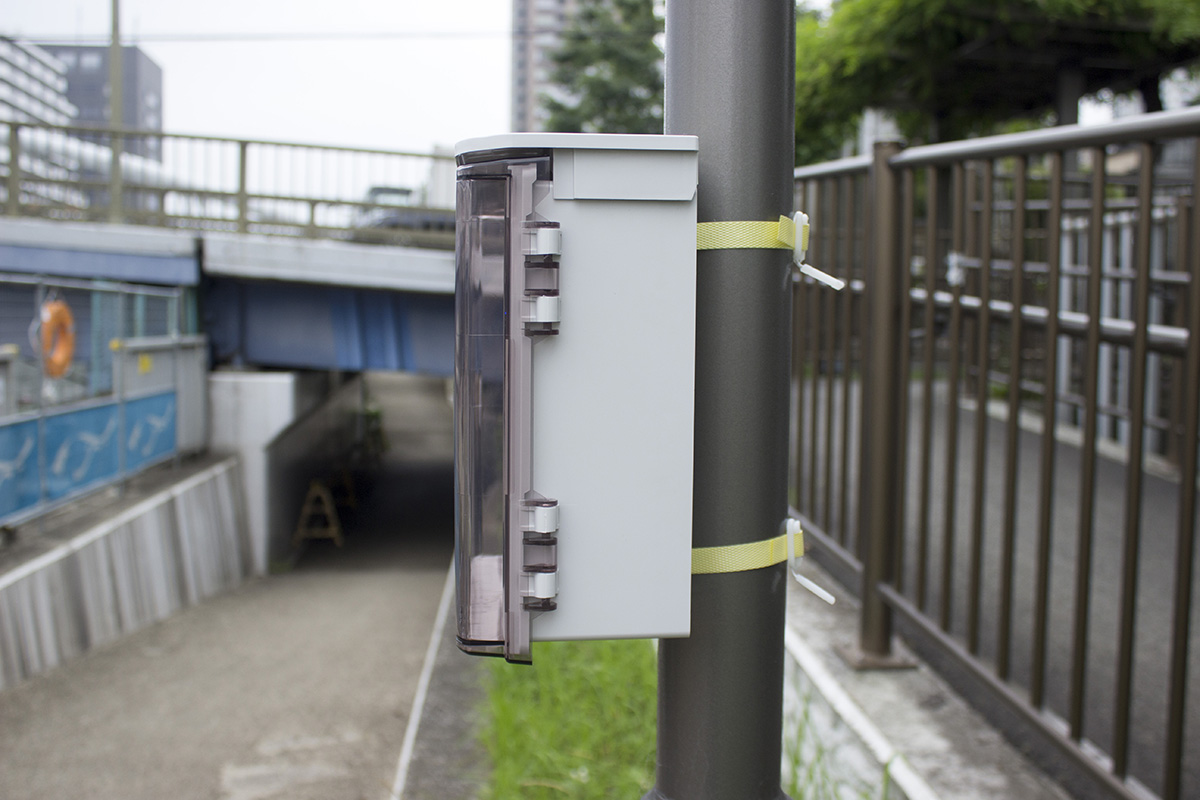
[(609, 70), (953, 68)]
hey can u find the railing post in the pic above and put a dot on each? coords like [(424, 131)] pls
[(879, 481), (13, 204), (41, 296), (116, 181), (176, 302), (243, 197), (116, 117), (10, 356)]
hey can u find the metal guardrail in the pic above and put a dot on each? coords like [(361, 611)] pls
[(130, 392), (237, 185), (1017, 491)]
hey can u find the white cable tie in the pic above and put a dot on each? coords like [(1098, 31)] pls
[(800, 251), (800, 247), (791, 529), (823, 277), (817, 590)]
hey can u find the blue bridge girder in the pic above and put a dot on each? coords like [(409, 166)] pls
[(267, 302), (307, 326)]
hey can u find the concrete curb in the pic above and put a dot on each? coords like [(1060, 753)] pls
[(892, 763), (885, 734)]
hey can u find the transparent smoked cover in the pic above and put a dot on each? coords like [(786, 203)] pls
[(479, 457)]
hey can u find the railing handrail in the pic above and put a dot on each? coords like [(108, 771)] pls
[(1127, 130), (248, 185), (86, 284), (841, 166), (143, 133)]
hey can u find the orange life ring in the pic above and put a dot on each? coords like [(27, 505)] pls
[(58, 338)]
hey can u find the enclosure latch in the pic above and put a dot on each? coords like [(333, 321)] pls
[(542, 247), (539, 570)]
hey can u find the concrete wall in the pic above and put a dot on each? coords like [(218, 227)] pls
[(168, 552), (248, 410), (288, 428), (311, 448)]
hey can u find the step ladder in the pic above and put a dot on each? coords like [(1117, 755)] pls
[(318, 516)]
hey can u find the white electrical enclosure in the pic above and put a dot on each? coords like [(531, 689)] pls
[(574, 388)]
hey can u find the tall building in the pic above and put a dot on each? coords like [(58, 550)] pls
[(141, 91), (33, 85), (537, 30)]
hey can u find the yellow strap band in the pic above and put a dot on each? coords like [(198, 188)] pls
[(740, 235), (743, 557)]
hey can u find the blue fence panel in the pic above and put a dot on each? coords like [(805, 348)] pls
[(81, 449), (18, 467), (149, 430)]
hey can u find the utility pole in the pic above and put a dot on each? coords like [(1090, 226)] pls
[(116, 117), (730, 80)]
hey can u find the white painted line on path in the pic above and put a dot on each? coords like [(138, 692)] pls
[(418, 706)]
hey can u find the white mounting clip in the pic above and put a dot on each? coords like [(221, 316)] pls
[(801, 249), (791, 529)]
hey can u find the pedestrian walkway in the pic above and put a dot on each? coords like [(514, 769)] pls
[(298, 685)]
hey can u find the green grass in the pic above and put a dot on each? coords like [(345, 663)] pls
[(579, 723), (812, 773)]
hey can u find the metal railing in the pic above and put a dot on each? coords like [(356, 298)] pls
[(996, 429), (129, 392), (236, 185)]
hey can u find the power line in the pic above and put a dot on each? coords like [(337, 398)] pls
[(300, 36), (313, 36)]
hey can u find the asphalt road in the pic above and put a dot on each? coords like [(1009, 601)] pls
[(297, 685)]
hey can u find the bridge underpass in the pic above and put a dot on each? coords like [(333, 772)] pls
[(319, 312), (279, 303), (301, 335), (268, 302), (299, 685)]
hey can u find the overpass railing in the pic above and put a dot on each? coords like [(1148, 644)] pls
[(996, 430), (237, 185), (97, 384)]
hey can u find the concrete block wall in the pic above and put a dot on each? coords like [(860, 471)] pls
[(170, 551)]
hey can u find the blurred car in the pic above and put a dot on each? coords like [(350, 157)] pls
[(391, 215)]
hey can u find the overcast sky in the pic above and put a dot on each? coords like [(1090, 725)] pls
[(408, 75)]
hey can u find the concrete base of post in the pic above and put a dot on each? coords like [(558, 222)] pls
[(859, 660)]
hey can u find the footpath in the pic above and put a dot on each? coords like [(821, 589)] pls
[(298, 685)]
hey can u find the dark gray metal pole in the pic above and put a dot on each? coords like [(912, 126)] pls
[(730, 80)]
